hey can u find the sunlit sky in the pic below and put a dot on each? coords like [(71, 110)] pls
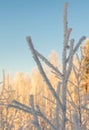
[(43, 21)]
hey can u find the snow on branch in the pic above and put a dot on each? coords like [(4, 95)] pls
[(35, 112), (49, 64), (60, 94), (35, 121), (41, 70)]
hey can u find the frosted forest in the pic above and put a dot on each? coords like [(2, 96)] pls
[(55, 95)]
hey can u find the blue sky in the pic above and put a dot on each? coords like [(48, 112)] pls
[(43, 20)]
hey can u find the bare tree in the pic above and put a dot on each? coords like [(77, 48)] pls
[(60, 119)]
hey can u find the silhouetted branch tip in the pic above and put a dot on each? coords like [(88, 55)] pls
[(28, 38)]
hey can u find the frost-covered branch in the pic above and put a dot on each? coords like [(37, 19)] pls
[(49, 64), (60, 116), (76, 122), (77, 46), (64, 64), (36, 112), (57, 109), (70, 59), (35, 121), (42, 71)]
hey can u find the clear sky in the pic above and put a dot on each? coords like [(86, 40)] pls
[(43, 20)]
